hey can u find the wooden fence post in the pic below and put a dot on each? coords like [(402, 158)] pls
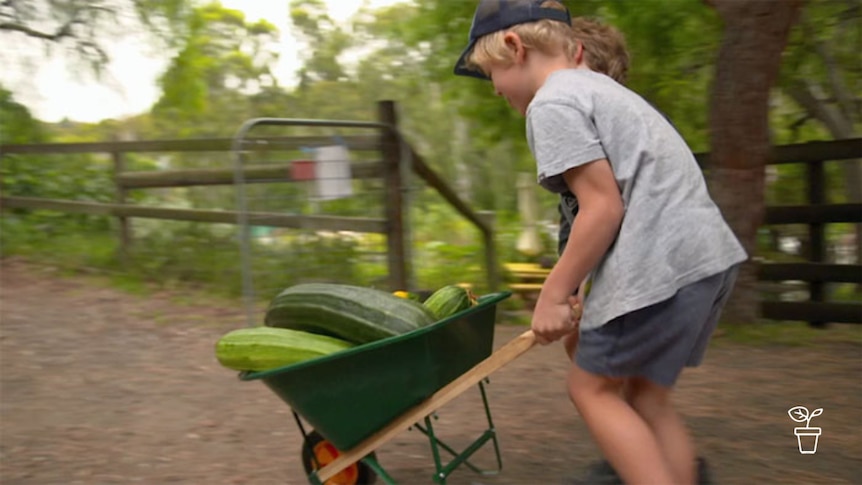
[(493, 273), (125, 230), (816, 232), (396, 254)]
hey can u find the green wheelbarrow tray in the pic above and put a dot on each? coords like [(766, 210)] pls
[(349, 395)]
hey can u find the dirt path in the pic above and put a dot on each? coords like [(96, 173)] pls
[(101, 387)]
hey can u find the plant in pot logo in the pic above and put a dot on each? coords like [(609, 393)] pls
[(806, 436)]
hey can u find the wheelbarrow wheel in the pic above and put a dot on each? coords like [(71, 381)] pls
[(317, 452)]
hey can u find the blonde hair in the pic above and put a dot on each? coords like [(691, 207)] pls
[(604, 46)]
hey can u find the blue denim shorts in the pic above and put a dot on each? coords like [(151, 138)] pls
[(658, 341)]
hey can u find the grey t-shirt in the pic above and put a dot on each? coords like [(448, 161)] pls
[(672, 233)]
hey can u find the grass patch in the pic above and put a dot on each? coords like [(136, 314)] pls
[(791, 334), (130, 284)]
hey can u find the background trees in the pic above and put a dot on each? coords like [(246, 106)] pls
[(84, 27), (222, 65), (730, 82)]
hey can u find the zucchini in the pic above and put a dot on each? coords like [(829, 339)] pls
[(263, 348), (352, 313), (450, 300)]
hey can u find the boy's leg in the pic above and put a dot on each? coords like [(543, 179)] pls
[(653, 403), (653, 343), (625, 438)]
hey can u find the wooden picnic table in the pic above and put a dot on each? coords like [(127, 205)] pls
[(526, 279)]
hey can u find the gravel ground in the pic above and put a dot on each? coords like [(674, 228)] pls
[(98, 386)]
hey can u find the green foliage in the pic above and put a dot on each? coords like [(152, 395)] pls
[(17, 125), (50, 239), (222, 60), (324, 42), (193, 253), (80, 177), (438, 264)]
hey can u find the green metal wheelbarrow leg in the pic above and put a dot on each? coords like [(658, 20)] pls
[(443, 471), (381, 473), (492, 429)]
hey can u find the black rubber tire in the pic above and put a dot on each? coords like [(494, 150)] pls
[(365, 475)]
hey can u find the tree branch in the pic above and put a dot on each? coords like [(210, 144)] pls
[(839, 90), (64, 31), (804, 94), (86, 46)]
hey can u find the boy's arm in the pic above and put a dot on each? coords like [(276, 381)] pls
[(597, 223)]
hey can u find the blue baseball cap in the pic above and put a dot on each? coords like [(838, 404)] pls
[(494, 15)]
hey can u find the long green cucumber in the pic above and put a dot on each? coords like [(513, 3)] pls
[(352, 313), (263, 348)]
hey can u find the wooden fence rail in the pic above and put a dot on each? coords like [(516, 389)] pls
[(819, 272), (270, 173), (318, 223), (816, 313), (814, 214), (362, 143)]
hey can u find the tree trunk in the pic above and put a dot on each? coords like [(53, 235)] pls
[(755, 35)]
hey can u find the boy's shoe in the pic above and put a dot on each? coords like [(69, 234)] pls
[(599, 473), (704, 477), (602, 473)]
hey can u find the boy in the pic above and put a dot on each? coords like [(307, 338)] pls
[(650, 245)]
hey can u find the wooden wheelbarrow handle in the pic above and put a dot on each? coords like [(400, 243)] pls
[(496, 360)]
